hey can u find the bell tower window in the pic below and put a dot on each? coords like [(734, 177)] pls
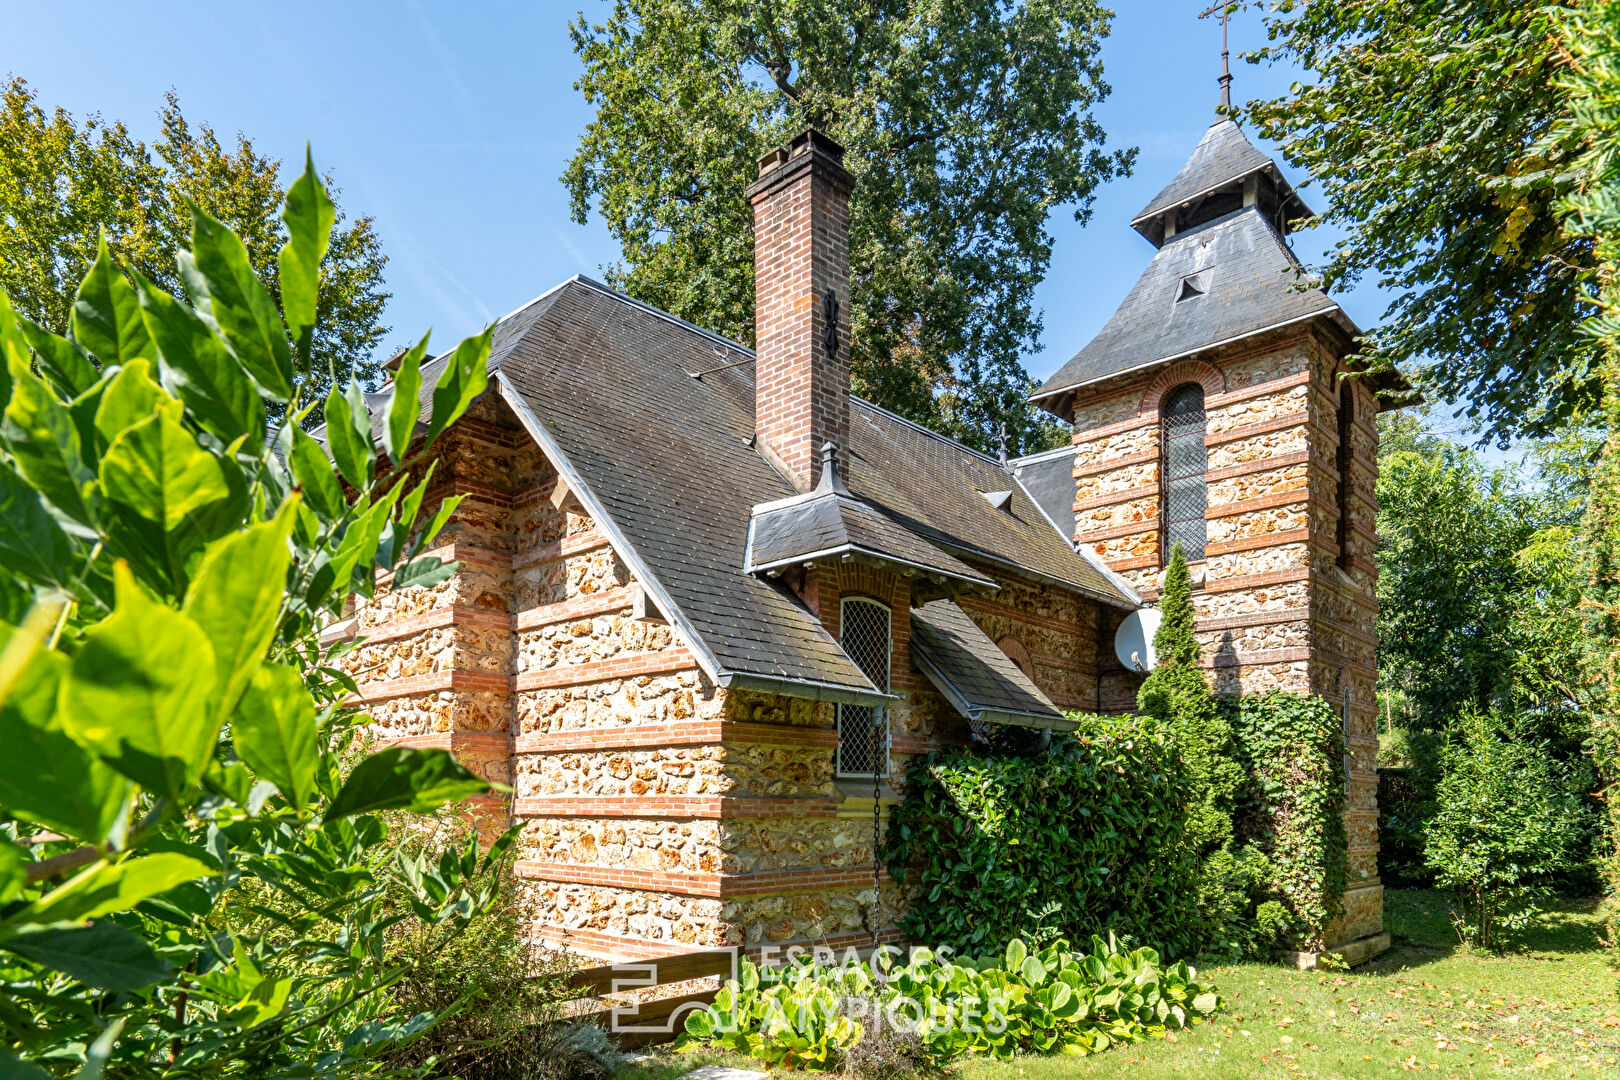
[(1346, 456), (1184, 460), (866, 633)]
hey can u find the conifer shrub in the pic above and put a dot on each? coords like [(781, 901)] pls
[(1176, 694)]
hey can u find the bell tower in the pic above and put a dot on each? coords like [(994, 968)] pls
[(1214, 410)]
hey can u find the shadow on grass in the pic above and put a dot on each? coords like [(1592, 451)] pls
[(1422, 925)]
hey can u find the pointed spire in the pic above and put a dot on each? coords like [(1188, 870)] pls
[(830, 481), (1226, 70)]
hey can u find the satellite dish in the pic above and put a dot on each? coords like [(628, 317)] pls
[(1133, 641)]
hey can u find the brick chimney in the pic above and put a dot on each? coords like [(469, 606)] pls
[(801, 305)]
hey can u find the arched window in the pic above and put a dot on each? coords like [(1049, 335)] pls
[(863, 730), (1347, 418), (1184, 493)]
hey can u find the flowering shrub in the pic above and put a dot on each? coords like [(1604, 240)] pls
[(810, 1013)]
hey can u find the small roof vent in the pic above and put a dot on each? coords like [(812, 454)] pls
[(1001, 500), (1193, 285)]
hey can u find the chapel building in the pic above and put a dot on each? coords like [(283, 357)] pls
[(708, 604)]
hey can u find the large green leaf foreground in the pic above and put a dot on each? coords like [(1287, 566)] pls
[(193, 876)]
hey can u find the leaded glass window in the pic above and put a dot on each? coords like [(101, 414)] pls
[(863, 730), (1185, 494)]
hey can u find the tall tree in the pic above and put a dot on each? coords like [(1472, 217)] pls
[(63, 183), (965, 125), (1437, 130), (1592, 31)]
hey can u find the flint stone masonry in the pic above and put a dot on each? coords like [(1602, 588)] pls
[(1280, 606)]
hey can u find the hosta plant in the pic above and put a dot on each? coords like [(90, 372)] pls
[(1021, 1001), (194, 876)]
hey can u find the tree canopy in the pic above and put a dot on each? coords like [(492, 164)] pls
[(63, 183), (1440, 136), (965, 124)]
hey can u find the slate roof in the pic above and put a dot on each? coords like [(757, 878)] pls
[(1249, 282), (1049, 479), (1223, 155), (665, 463), (830, 522), (975, 676)]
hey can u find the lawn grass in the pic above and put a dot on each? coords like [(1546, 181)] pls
[(1548, 1008)]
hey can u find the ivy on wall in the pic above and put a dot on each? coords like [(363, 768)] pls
[(1085, 839), (1292, 751), (1096, 836)]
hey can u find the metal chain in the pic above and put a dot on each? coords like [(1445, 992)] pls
[(877, 895)]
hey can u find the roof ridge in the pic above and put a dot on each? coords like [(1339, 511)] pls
[(608, 290), (1040, 455)]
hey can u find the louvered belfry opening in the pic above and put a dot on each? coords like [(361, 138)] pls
[(863, 730), (1184, 461)]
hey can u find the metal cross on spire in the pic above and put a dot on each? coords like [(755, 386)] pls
[(1225, 80)]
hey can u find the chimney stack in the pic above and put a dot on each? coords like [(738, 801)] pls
[(801, 305)]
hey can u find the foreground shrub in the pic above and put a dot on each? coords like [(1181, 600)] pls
[(814, 1016), (1088, 838), (196, 877), (1508, 820)]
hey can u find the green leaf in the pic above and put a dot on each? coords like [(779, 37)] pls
[(12, 346), (314, 472), (412, 504), (13, 871), (239, 304), (46, 449), (1206, 1002), (309, 215), (65, 787), (33, 543), (236, 596), (441, 518), (107, 313), (108, 888), (1016, 952), (62, 362), (103, 955), (402, 778), (426, 571), (14, 1068), (130, 397), (405, 403), (274, 732), (138, 691), (463, 379), (198, 368), (165, 497), (348, 433), (359, 545)]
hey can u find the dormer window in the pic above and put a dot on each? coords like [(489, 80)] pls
[(1193, 285)]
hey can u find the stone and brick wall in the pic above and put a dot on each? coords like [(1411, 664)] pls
[(659, 812), (1277, 605)]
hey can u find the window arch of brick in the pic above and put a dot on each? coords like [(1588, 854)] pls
[(1015, 651), (1184, 371), (1183, 460)]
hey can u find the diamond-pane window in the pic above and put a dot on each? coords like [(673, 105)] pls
[(863, 730), (1185, 495)]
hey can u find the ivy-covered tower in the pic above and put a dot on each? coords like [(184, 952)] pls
[(1213, 410)]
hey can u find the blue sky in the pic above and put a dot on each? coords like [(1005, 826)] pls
[(450, 124)]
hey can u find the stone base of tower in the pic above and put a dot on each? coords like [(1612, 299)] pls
[(1354, 937)]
